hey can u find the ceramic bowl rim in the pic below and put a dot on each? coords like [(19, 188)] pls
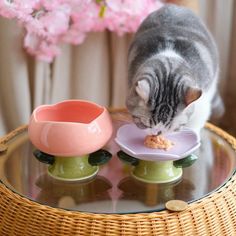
[(41, 107)]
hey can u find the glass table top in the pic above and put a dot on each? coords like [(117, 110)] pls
[(113, 190)]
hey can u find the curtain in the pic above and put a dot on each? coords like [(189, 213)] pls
[(218, 15), (95, 70)]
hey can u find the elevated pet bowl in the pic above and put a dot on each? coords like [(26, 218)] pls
[(69, 135), (156, 165), (128, 207)]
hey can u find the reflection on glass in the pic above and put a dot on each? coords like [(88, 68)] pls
[(155, 195), (69, 195), (114, 190)]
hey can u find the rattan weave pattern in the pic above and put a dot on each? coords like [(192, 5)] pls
[(213, 215)]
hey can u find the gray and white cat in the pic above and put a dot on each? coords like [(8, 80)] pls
[(173, 71)]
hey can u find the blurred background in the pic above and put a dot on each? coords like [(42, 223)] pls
[(96, 69)]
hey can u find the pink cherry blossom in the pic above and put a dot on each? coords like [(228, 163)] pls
[(56, 22), (49, 23)]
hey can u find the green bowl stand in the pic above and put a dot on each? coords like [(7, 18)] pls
[(76, 168), (157, 171)]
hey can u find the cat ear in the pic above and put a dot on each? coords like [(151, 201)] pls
[(191, 95), (143, 89)]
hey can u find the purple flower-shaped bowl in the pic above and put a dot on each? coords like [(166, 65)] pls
[(131, 140)]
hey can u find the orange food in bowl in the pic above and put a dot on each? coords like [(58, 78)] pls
[(157, 142)]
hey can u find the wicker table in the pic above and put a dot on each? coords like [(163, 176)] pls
[(32, 203)]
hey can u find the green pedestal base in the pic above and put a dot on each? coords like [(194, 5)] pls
[(72, 168), (156, 172)]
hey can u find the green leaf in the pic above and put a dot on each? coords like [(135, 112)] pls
[(99, 157), (44, 157), (127, 158), (102, 11), (185, 162)]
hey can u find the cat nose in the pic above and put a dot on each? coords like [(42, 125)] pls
[(159, 132)]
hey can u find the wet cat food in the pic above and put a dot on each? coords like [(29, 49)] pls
[(157, 142)]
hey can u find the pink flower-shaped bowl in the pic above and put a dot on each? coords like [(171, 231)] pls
[(70, 128)]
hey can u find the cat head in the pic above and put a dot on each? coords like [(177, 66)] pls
[(159, 99)]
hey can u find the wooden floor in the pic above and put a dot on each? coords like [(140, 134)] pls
[(228, 121)]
